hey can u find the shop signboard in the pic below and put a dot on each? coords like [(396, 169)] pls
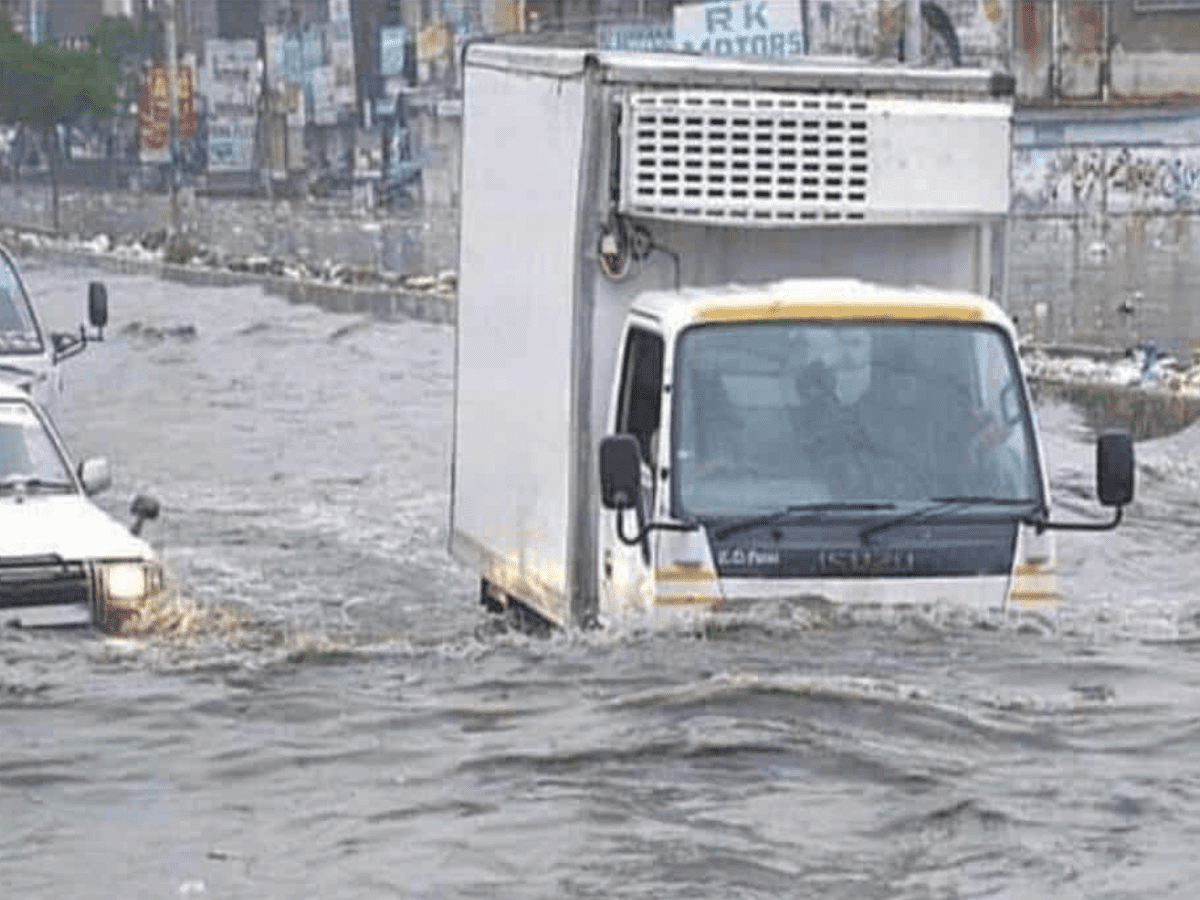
[(154, 110), (741, 28), (231, 88)]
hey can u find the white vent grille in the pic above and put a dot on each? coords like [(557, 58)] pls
[(746, 157)]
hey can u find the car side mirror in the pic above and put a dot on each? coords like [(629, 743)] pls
[(620, 472), (142, 508), (95, 475), (98, 304), (1114, 468)]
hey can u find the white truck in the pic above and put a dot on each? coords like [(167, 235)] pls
[(731, 331), (31, 356)]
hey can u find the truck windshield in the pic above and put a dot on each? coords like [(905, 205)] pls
[(18, 332), (28, 454), (770, 415)]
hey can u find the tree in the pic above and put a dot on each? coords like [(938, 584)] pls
[(126, 46), (44, 86)]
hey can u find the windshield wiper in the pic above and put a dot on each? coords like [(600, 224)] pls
[(795, 510), (32, 482), (17, 370), (940, 506)]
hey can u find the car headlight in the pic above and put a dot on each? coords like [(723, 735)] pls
[(121, 589), (126, 581)]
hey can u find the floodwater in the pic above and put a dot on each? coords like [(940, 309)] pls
[(325, 711)]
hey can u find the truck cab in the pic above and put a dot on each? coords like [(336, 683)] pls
[(31, 356), (827, 440)]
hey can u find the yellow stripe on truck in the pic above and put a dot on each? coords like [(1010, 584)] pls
[(685, 573), (843, 309), (1033, 585), (686, 586)]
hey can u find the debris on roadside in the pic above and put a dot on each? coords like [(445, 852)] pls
[(157, 247), (1143, 367)]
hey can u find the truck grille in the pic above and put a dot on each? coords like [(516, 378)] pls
[(43, 581), (744, 156)]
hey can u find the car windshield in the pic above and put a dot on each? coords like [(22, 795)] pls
[(18, 331), (27, 451), (771, 415)]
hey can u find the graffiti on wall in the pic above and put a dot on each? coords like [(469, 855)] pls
[(1130, 179)]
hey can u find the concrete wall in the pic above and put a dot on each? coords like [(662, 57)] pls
[(1118, 50), (1107, 218)]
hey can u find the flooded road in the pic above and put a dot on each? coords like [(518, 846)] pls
[(327, 713)]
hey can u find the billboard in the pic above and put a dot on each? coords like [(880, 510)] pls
[(341, 55), (154, 110), (741, 28), (231, 89), (321, 89), (231, 77), (637, 36), (393, 41), (231, 145)]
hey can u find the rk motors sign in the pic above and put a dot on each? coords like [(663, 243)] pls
[(743, 28)]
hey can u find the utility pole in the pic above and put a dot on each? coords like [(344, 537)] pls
[(912, 33), (173, 115)]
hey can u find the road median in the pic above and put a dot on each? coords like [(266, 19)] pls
[(423, 298)]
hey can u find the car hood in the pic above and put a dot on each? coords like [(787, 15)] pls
[(70, 526)]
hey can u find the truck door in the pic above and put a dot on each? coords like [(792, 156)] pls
[(25, 357), (626, 572)]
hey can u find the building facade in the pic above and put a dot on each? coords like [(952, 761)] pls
[(1106, 160)]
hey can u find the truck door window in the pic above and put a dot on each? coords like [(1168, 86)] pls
[(17, 330), (640, 403)]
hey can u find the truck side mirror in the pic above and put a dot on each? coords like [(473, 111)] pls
[(1114, 482), (67, 345), (620, 472), (1114, 468), (97, 304)]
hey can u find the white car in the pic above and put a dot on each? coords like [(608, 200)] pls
[(63, 560), (30, 355)]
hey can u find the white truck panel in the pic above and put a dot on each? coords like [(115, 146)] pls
[(941, 256), (523, 140), (926, 158)]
